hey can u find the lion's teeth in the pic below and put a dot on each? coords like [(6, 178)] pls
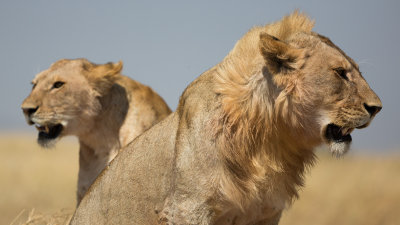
[(46, 128), (40, 128), (346, 131)]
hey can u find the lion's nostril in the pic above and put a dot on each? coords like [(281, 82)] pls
[(372, 110), (29, 111)]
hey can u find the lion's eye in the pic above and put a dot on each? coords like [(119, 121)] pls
[(341, 72), (58, 84)]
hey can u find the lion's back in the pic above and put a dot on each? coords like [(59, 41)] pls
[(146, 108)]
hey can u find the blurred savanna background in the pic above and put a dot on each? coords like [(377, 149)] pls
[(166, 45), (357, 189)]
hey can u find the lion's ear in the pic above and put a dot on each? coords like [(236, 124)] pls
[(108, 70), (280, 57), (103, 76), (115, 68)]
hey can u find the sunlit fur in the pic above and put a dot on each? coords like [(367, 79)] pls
[(103, 108)]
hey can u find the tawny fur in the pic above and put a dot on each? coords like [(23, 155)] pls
[(236, 149), (103, 108)]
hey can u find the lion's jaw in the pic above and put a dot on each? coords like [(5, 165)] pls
[(337, 135), (49, 133), (337, 138), (52, 130)]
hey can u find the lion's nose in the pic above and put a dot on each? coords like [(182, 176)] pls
[(29, 110), (372, 110)]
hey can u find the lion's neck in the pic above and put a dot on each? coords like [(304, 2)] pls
[(104, 135), (261, 135), (262, 166)]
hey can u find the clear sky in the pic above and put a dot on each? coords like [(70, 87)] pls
[(167, 44)]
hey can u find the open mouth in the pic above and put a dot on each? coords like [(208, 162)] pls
[(49, 132), (338, 139), (334, 133)]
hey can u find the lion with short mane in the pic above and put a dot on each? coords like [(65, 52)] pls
[(103, 108), (236, 149)]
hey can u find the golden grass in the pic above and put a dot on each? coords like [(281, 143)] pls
[(61, 217), (353, 190), (36, 178)]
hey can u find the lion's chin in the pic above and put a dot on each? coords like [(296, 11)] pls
[(49, 134), (338, 149), (338, 139)]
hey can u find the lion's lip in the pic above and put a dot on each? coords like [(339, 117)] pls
[(363, 126), (49, 131), (335, 133)]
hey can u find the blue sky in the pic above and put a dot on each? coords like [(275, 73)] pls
[(167, 44)]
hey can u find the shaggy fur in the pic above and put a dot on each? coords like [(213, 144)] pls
[(236, 149), (103, 108), (258, 116)]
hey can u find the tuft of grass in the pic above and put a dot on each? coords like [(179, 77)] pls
[(61, 217)]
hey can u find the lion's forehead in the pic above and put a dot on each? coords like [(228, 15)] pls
[(349, 61), (64, 72), (331, 58), (323, 47)]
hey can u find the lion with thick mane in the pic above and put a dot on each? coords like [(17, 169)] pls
[(237, 147), (103, 108)]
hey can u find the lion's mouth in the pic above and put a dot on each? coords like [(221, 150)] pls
[(49, 131), (334, 133), (338, 138)]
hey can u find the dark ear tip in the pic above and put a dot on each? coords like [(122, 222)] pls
[(264, 36)]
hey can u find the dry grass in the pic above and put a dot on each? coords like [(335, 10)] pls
[(61, 217), (354, 190), (35, 178)]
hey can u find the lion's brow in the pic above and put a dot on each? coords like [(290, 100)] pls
[(327, 41)]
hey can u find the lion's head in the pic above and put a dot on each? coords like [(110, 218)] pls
[(66, 96), (298, 82), (324, 82)]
